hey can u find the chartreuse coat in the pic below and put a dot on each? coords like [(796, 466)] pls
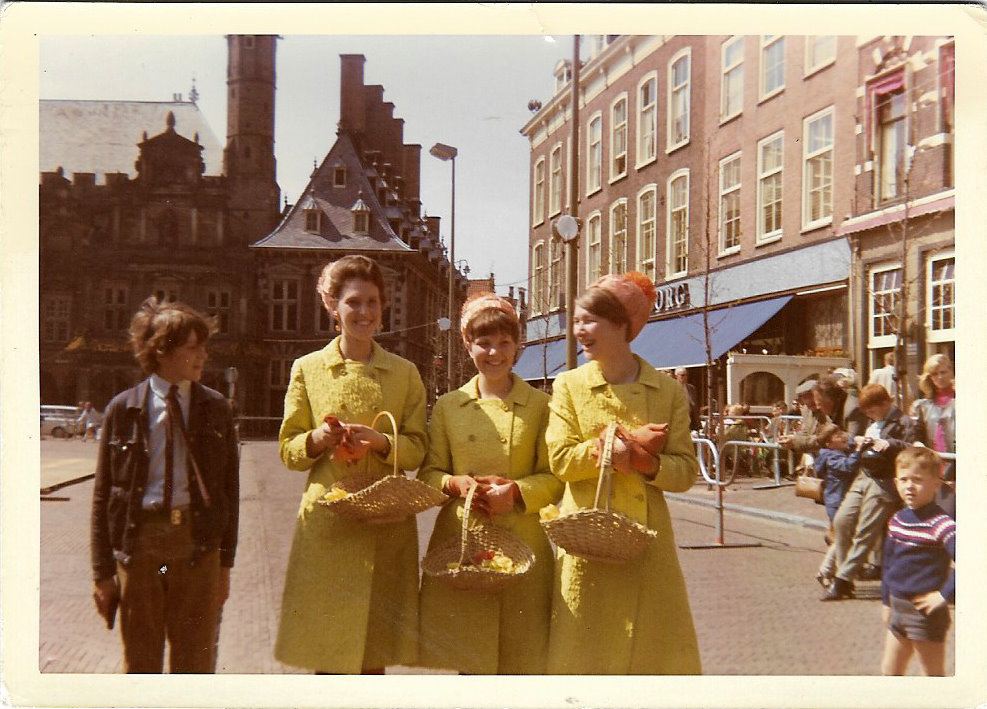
[(350, 597), (630, 618), (504, 631)]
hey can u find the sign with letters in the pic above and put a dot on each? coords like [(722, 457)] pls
[(672, 297)]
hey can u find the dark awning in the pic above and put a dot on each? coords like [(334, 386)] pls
[(674, 342)]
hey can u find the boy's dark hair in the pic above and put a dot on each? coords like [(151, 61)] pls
[(159, 327), (919, 457), (829, 387), (873, 395), (825, 434)]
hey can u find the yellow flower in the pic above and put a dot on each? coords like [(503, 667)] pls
[(336, 493), (548, 512)]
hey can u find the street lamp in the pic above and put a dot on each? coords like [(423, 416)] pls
[(447, 152)]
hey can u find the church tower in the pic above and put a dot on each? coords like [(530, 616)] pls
[(248, 160)]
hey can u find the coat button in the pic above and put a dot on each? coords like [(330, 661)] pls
[(503, 439), (504, 406)]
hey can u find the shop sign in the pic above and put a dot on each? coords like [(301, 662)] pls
[(672, 297)]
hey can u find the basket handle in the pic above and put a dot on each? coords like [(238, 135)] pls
[(394, 429), (466, 521), (606, 465)]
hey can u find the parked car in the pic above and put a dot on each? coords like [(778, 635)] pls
[(59, 421)]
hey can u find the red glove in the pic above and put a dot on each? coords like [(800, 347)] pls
[(348, 450), (501, 494)]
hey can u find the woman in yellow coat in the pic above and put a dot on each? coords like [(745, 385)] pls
[(350, 601), (490, 433), (630, 618)]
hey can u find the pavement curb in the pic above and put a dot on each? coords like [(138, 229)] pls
[(784, 517)]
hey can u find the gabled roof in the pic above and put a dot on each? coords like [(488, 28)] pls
[(102, 136), (336, 205)]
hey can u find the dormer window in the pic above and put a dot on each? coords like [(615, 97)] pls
[(339, 176), (361, 216), (313, 220), (563, 73)]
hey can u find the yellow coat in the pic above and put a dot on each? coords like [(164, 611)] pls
[(351, 590), (506, 631), (631, 618)]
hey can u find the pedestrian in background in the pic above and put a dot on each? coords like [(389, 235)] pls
[(836, 463), (886, 376), (490, 433), (166, 499), (918, 582), (630, 618), (350, 601), (935, 416), (88, 422), (682, 377)]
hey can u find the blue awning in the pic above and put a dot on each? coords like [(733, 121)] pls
[(675, 342), (680, 342)]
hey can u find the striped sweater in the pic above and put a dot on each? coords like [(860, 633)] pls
[(920, 546)]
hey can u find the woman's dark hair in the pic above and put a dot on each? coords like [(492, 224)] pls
[(604, 304), (335, 274), (492, 321), (159, 327)]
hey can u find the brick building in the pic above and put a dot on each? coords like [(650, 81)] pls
[(721, 166), (180, 216)]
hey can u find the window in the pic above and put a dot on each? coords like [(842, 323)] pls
[(361, 222), (280, 376), (594, 253), (678, 223), (679, 78), (732, 63), (539, 283), (556, 266), (284, 305), (323, 321), (618, 138), (618, 237), (165, 293), (772, 64), (218, 306), (885, 288), (339, 176), (555, 181), (647, 119), (940, 300), (538, 199), (55, 318), (820, 50), (646, 200), (313, 220), (769, 183), (817, 170), (730, 204), (891, 142), (594, 162), (116, 307)]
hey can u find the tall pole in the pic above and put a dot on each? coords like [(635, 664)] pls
[(572, 245), (452, 293)]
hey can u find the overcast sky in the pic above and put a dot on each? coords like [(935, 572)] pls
[(467, 91)]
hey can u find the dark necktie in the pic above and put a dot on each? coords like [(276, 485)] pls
[(173, 417)]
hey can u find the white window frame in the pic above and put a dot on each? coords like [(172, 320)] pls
[(539, 277), (946, 334), (56, 320), (287, 322), (684, 88), (556, 267), (727, 71), (223, 313), (614, 128), (594, 154), (556, 171), (809, 156), (647, 122), (878, 341), (764, 237), (768, 42), (538, 192), (594, 245), (725, 192), (881, 165), (672, 269), (810, 67), (617, 265), (647, 257)]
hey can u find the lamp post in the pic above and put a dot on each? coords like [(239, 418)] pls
[(447, 152)]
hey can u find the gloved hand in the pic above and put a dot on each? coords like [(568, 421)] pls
[(501, 493), (644, 444), (348, 449), (459, 486)]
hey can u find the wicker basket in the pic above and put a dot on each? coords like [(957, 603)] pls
[(476, 539), (382, 500), (599, 534)]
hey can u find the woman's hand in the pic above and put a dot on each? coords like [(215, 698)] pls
[(371, 437), (501, 494), (927, 603), (327, 436), (459, 486)]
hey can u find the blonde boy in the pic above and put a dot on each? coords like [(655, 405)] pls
[(918, 581)]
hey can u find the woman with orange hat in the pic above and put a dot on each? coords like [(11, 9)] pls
[(634, 617), (490, 433)]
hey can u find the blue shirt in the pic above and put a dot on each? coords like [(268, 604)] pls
[(918, 553), (154, 491)]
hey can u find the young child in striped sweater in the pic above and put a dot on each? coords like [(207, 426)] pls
[(918, 582)]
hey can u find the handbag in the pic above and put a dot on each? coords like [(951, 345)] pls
[(809, 486)]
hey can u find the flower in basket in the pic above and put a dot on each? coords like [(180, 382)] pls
[(336, 493), (548, 513), (489, 560)]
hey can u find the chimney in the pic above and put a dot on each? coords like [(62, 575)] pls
[(411, 169), (395, 139), (433, 227), (352, 108)]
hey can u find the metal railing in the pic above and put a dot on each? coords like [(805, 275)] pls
[(258, 427)]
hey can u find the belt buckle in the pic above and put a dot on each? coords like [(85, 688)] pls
[(176, 517)]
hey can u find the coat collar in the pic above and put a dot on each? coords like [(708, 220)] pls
[(519, 394), (649, 376), (380, 359)]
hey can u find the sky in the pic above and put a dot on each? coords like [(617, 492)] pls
[(468, 91)]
